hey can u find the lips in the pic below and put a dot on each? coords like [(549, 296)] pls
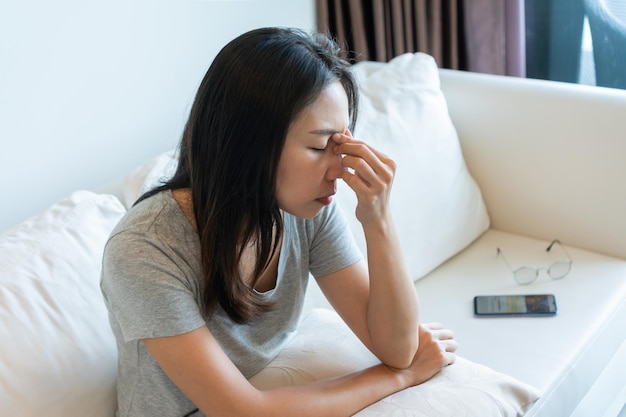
[(325, 200)]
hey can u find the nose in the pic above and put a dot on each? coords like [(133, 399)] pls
[(334, 166)]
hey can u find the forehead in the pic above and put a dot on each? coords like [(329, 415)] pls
[(330, 110)]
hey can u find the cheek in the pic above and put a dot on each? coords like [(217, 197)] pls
[(291, 161), (295, 171), (287, 172)]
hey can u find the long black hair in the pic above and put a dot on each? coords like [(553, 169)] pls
[(231, 146)]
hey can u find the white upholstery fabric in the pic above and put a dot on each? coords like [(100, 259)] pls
[(324, 347), (561, 355), (57, 353), (145, 177), (435, 203), (548, 155)]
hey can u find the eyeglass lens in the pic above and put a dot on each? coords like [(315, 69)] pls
[(526, 274), (559, 269)]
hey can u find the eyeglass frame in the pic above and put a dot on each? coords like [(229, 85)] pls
[(538, 269)]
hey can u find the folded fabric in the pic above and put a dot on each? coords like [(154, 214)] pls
[(325, 347)]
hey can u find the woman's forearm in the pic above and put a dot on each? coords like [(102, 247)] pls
[(393, 309), (343, 396)]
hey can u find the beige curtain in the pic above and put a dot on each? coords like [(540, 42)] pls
[(476, 35), (378, 30)]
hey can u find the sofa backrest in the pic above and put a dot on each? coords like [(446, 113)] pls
[(550, 157)]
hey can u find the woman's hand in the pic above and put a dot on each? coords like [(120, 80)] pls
[(436, 351), (370, 176)]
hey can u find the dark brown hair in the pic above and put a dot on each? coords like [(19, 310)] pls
[(231, 145)]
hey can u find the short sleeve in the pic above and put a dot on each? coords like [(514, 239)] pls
[(150, 291), (333, 246)]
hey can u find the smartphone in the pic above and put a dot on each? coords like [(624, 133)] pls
[(537, 305)]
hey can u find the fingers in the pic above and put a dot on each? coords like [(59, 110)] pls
[(443, 337), (432, 326), (348, 146), (436, 350), (449, 358), (369, 172), (449, 345), (438, 330)]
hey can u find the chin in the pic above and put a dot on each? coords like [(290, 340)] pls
[(303, 212)]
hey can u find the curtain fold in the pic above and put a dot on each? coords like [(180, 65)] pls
[(476, 35), (378, 30), (495, 36)]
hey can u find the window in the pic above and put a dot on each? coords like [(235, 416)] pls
[(580, 41)]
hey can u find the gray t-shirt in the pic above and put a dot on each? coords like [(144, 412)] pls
[(150, 282)]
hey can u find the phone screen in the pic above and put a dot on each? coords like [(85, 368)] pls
[(515, 305)]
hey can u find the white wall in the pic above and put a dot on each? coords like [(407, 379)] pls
[(91, 89)]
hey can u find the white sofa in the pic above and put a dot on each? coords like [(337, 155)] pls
[(549, 162)]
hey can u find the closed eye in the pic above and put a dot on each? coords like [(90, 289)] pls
[(321, 147), (328, 133)]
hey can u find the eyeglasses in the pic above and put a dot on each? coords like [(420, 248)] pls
[(528, 274)]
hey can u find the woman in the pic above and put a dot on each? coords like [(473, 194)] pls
[(205, 276)]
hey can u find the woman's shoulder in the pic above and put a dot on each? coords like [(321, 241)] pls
[(154, 231), (145, 213), (157, 218)]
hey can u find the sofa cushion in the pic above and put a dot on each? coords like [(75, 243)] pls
[(57, 351), (324, 347), (436, 204)]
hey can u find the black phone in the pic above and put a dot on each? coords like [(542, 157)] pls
[(537, 305)]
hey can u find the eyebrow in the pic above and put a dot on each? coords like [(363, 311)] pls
[(324, 132)]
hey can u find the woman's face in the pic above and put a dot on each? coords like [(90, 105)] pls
[(308, 166)]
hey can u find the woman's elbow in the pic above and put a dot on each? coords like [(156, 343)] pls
[(401, 356)]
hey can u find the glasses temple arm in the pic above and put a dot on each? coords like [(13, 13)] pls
[(499, 251), (563, 247)]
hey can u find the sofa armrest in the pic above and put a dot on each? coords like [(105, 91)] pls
[(550, 157)]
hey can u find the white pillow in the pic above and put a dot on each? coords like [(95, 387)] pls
[(150, 174), (58, 356), (324, 347), (437, 207)]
